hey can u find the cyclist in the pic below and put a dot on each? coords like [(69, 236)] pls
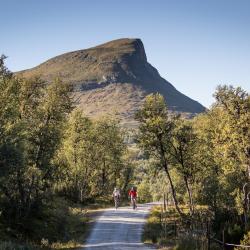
[(133, 196), (116, 195)]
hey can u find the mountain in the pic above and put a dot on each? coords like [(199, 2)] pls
[(113, 77)]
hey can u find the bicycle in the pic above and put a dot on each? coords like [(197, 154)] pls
[(116, 200), (133, 201)]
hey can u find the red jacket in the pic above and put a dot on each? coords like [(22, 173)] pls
[(132, 193)]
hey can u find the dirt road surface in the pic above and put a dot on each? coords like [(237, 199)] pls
[(119, 229)]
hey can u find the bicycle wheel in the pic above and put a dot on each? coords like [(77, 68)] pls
[(133, 203), (116, 203)]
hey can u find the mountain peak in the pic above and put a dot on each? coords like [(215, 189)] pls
[(113, 75), (121, 60), (126, 45), (120, 43)]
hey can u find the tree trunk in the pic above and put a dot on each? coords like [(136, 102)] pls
[(165, 167), (245, 204), (191, 205), (81, 194), (172, 187), (103, 177)]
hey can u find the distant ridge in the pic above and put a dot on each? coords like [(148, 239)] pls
[(111, 78)]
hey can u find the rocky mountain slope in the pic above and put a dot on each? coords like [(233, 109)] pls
[(113, 78)]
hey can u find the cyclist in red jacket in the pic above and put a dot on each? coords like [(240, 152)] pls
[(133, 196)]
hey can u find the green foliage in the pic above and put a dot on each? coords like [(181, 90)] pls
[(14, 246), (224, 152), (59, 225), (245, 241), (234, 232), (91, 159), (152, 229), (171, 142), (29, 140), (167, 229), (154, 137), (189, 243), (74, 157), (206, 160), (143, 190), (47, 151), (154, 126), (32, 117), (60, 222)]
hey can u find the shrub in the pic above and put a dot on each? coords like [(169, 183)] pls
[(14, 246), (245, 241), (234, 233), (152, 229), (188, 243), (144, 192)]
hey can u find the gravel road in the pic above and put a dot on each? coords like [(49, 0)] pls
[(119, 229)]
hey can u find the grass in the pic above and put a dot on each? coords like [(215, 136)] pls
[(168, 232), (75, 231), (154, 231), (14, 246), (61, 225)]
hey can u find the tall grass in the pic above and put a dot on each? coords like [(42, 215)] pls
[(15, 246), (61, 225), (167, 229)]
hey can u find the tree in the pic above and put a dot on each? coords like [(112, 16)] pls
[(183, 144), (234, 139), (154, 135), (32, 117), (109, 149), (92, 159), (223, 151), (75, 157)]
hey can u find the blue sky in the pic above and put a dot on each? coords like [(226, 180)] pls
[(195, 45)]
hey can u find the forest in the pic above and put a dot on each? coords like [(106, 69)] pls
[(54, 158)]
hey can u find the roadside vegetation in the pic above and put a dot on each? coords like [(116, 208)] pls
[(167, 230), (55, 163), (204, 161)]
